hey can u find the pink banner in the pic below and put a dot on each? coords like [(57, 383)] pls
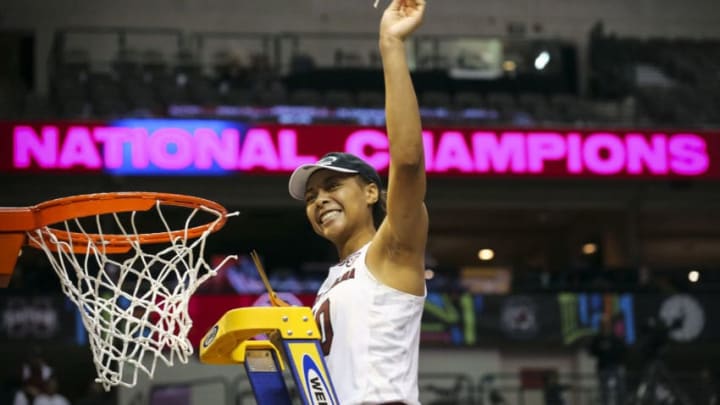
[(207, 147)]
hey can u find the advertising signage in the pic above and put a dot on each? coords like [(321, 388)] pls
[(218, 147), (450, 319)]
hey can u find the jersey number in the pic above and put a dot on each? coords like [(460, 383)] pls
[(322, 318)]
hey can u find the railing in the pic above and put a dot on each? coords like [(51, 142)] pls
[(108, 43), (347, 49), (183, 392), (212, 390), (449, 64), (531, 388), (654, 385), (435, 389), (447, 388)]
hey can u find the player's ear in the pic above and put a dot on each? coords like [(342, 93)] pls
[(372, 193)]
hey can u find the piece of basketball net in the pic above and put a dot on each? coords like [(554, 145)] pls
[(135, 305), (274, 299)]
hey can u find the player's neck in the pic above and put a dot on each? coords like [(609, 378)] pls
[(354, 243)]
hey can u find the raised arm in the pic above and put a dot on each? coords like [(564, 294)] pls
[(404, 231)]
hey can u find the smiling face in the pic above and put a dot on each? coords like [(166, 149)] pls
[(339, 204)]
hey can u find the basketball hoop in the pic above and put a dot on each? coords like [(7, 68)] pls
[(132, 297)]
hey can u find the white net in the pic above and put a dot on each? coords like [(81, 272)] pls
[(134, 306)]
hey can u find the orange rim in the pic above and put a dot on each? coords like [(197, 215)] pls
[(19, 220)]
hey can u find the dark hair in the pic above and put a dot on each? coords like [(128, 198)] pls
[(379, 209)]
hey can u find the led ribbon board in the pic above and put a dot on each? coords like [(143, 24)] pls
[(218, 147)]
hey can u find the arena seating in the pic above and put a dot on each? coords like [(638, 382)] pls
[(674, 81), (633, 81)]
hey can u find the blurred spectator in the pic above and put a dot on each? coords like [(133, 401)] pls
[(708, 387), (553, 390), (496, 397), (51, 396), (23, 398), (610, 351), (35, 374), (230, 67), (656, 339)]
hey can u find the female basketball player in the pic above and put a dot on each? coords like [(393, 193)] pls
[(370, 305)]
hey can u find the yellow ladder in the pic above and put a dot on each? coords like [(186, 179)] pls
[(292, 339)]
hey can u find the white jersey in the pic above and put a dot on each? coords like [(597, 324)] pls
[(371, 335)]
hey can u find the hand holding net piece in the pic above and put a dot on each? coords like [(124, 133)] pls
[(132, 289)]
